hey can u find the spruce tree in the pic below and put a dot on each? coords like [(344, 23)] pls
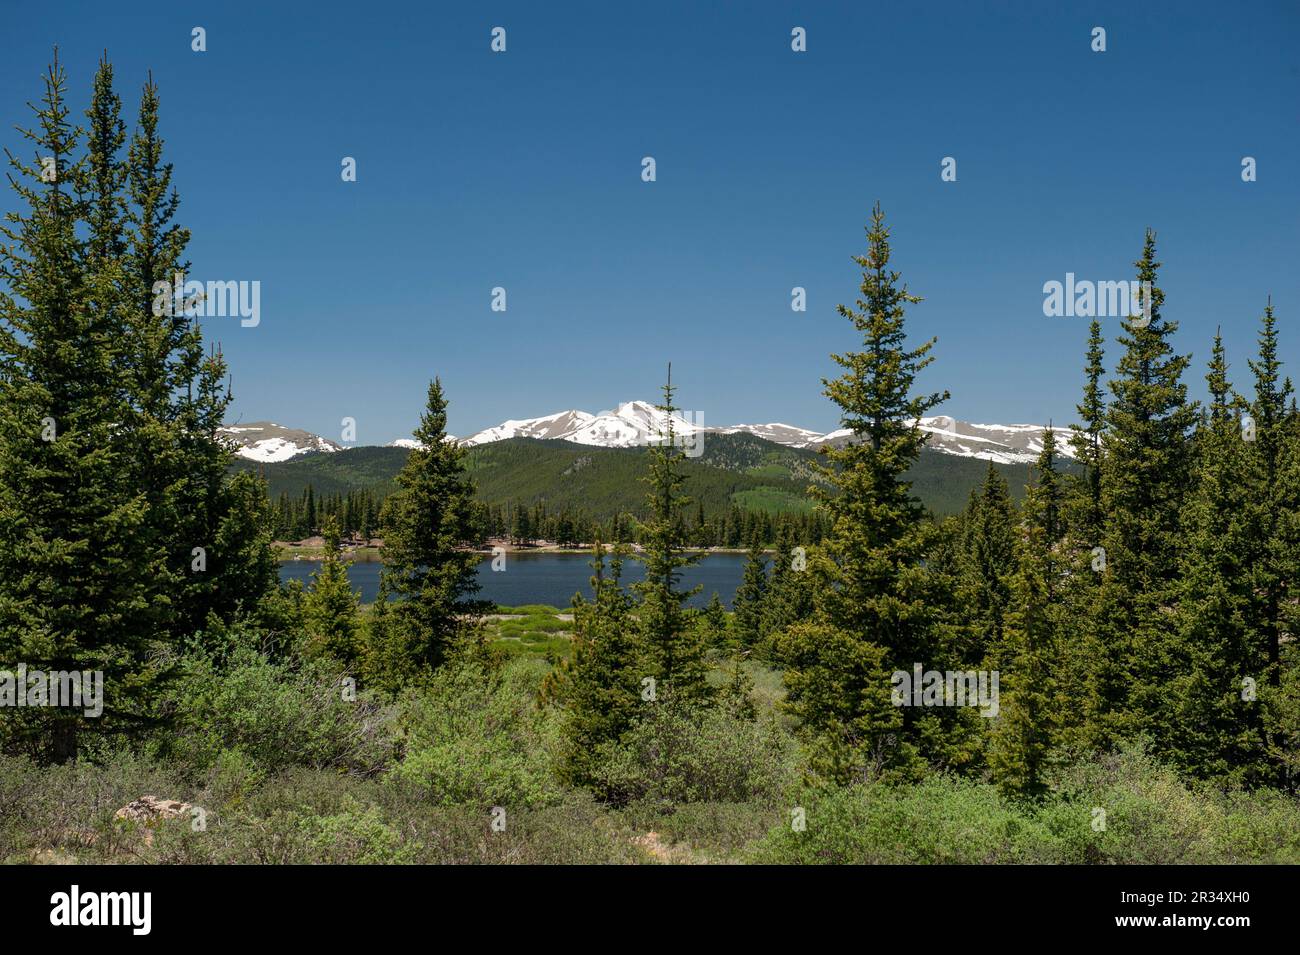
[(714, 621), (1023, 734), (1273, 495), (750, 603), (1085, 439), (601, 688), (674, 652), (871, 617), (1028, 658), (330, 605), (427, 524), (789, 598), (988, 543), (1146, 477), (76, 568), (1206, 728)]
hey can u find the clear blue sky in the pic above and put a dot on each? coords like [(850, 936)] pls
[(523, 170)]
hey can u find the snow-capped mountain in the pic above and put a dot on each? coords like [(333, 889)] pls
[(1000, 443), (558, 425), (631, 424), (786, 434), (637, 423), (267, 442)]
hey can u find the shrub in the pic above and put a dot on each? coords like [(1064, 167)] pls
[(277, 714), (939, 820), (476, 736), (680, 754), (64, 812)]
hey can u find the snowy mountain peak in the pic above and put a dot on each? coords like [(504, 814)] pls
[(1000, 443), (638, 423), (268, 442), (632, 423)]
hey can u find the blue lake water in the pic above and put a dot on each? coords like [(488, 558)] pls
[(547, 578)]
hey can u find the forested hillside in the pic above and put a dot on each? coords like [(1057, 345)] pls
[(737, 470)]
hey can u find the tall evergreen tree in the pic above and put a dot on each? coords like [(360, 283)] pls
[(988, 543), (871, 615), (76, 570), (1085, 439), (1206, 727), (673, 647), (1029, 657), (211, 528), (426, 525), (750, 603), (1273, 495), (601, 688), (1023, 735), (1146, 477)]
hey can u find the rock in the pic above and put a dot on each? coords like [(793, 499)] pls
[(148, 809)]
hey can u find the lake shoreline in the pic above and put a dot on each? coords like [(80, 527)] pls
[(288, 552), (541, 577)]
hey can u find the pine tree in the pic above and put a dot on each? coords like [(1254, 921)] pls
[(1146, 477), (76, 569), (1085, 439), (789, 598), (870, 615), (1273, 496), (673, 648), (1028, 658), (988, 542), (714, 621), (601, 688), (750, 603), (426, 565), (330, 605), (1206, 728)]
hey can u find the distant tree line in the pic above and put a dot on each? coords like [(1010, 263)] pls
[(356, 514)]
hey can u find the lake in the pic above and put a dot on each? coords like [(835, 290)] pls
[(547, 578)]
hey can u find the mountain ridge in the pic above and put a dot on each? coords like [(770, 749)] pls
[(638, 423)]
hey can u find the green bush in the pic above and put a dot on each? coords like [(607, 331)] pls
[(1121, 809), (676, 754), (309, 817), (1152, 817), (277, 714), (476, 736), (939, 820)]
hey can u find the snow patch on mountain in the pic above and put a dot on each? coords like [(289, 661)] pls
[(1000, 443), (267, 442)]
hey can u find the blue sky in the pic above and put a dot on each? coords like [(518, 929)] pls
[(522, 170)]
